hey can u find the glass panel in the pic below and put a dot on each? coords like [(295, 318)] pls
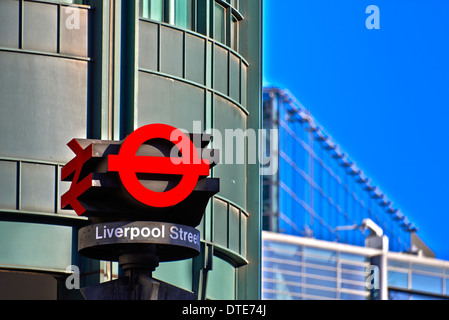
[(320, 282), (353, 286), (398, 264), (281, 267), (184, 14), (151, 9), (424, 297), (156, 10), (325, 254), (281, 250), (347, 296), (398, 295), (282, 277), (316, 293), (397, 279), (427, 268), (427, 283), (219, 18), (321, 272), (353, 277)]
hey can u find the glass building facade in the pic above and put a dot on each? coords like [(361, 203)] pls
[(297, 268), (99, 69), (318, 191), (316, 244)]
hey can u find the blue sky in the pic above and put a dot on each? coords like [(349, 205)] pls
[(383, 95)]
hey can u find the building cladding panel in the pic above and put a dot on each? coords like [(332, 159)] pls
[(101, 69), (318, 189)]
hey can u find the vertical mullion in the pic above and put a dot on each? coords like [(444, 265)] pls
[(184, 54), (21, 19), (159, 27), (58, 28), (211, 14), (227, 26), (195, 16), (57, 179), (19, 186), (228, 220), (228, 90), (111, 69)]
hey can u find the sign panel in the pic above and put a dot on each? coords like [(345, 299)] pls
[(169, 241), (158, 178)]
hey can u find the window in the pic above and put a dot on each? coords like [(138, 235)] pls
[(226, 23), (219, 25), (184, 14), (234, 33), (191, 15), (175, 12), (152, 9), (397, 279), (427, 283)]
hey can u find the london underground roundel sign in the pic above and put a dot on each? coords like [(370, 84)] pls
[(156, 172), (190, 166)]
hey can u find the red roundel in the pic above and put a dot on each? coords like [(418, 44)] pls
[(190, 166)]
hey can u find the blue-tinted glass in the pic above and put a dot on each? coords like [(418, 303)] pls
[(359, 287), (347, 296), (276, 296), (351, 267), (321, 272), (219, 30), (397, 279), (415, 296), (282, 266), (427, 283), (320, 262), (352, 257), (398, 295), (320, 282), (184, 14), (282, 248), (282, 287), (447, 286), (281, 277), (353, 276), (316, 293), (427, 268)]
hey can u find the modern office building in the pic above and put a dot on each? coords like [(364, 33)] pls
[(325, 221), (100, 69)]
